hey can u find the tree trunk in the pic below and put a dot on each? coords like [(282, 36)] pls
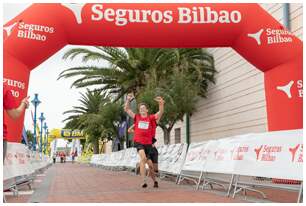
[(166, 136), (167, 131), (95, 144), (102, 149)]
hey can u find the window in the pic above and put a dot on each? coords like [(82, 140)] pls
[(177, 135)]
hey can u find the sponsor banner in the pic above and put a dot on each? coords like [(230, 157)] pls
[(162, 150), (131, 158), (21, 161), (274, 154), (177, 158), (101, 159), (220, 155), (127, 158), (134, 158), (38, 160), (68, 133), (165, 157), (194, 158), (110, 160), (120, 158), (94, 159), (162, 157), (17, 161)]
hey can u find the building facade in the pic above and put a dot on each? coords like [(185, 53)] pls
[(236, 104)]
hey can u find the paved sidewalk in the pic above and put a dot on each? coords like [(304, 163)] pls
[(80, 183)]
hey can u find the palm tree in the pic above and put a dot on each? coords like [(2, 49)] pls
[(97, 116), (196, 63), (84, 116), (137, 69), (128, 69), (30, 136), (180, 95)]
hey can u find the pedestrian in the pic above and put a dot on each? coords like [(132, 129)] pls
[(143, 134), (54, 158), (13, 110), (62, 157), (64, 153), (72, 156)]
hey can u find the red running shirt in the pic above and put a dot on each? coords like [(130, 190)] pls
[(153, 129), (9, 102), (143, 129)]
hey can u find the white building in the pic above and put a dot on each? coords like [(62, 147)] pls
[(236, 104)]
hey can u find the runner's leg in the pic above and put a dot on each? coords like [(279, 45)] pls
[(151, 170), (142, 163)]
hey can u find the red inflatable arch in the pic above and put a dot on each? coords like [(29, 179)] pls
[(43, 29)]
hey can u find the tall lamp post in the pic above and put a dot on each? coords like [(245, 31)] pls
[(35, 102), (41, 118), (47, 140), (45, 128)]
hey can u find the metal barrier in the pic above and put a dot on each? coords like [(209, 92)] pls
[(14, 183), (194, 176), (231, 163), (173, 162), (218, 179), (245, 183)]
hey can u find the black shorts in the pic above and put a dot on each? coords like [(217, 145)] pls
[(154, 155), (148, 149)]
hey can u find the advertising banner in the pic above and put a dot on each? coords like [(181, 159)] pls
[(20, 161), (194, 160), (273, 154)]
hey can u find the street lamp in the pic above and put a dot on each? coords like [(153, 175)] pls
[(35, 102), (45, 128), (47, 140), (41, 118)]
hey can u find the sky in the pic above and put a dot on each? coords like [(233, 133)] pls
[(56, 96)]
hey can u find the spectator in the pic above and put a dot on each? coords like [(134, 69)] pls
[(13, 110)]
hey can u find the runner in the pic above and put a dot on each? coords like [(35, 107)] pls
[(155, 151), (143, 134)]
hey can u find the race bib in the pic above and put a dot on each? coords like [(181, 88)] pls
[(143, 125)]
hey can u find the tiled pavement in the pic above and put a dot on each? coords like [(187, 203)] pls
[(80, 183)]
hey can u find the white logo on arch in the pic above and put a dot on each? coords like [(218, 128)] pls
[(9, 28), (286, 89), (256, 36), (76, 10)]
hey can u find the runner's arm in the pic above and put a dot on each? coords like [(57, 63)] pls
[(127, 108), (161, 103), (131, 129)]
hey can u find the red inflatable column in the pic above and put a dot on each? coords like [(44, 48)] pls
[(284, 95), (16, 76)]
